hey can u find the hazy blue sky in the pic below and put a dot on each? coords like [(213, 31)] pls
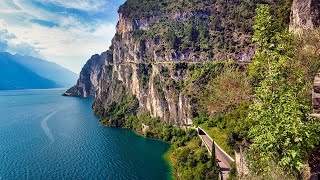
[(67, 32)]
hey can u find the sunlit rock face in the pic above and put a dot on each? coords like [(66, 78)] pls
[(142, 59), (305, 15), (128, 62), (89, 79), (108, 76)]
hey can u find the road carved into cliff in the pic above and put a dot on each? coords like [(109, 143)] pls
[(175, 62), (224, 160)]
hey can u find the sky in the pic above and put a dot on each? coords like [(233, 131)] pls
[(67, 32)]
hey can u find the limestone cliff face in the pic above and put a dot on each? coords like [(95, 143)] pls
[(142, 68), (128, 73), (143, 60), (126, 25), (305, 15), (88, 84)]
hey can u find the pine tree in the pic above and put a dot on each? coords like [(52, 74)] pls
[(213, 156)]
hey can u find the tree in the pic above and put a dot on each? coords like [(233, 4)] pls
[(214, 174), (173, 40), (213, 156), (193, 33), (267, 35), (284, 134)]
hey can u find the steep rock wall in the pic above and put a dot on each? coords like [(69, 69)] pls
[(168, 104), (88, 84), (135, 69), (151, 40), (305, 15)]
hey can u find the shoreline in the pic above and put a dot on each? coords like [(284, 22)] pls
[(166, 156), (169, 160)]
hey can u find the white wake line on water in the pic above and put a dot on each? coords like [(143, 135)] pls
[(45, 127)]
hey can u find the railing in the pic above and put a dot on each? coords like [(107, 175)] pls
[(216, 145), (224, 155)]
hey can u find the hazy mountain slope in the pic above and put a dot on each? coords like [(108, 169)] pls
[(16, 76), (49, 70)]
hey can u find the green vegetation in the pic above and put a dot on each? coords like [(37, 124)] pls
[(122, 113), (193, 162), (208, 29), (229, 127), (144, 72), (269, 107), (275, 121), (219, 135), (284, 134), (190, 158), (237, 124), (265, 104)]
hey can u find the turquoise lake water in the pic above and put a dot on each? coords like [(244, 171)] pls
[(44, 135)]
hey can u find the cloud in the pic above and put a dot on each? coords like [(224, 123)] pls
[(5, 35), (67, 32), (85, 5), (59, 44), (25, 49), (6, 44)]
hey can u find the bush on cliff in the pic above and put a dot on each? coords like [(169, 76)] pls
[(284, 134)]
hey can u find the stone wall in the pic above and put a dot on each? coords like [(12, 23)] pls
[(316, 95), (305, 15)]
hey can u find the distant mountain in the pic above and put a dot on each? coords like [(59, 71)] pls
[(49, 70), (15, 76), (25, 72)]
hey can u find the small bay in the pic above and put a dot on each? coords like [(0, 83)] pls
[(44, 135)]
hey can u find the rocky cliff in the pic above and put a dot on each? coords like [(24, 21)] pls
[(154, 45), (88, 84), (305, 15)]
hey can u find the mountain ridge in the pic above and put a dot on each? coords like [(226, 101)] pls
[(26, 72), (49, 70)]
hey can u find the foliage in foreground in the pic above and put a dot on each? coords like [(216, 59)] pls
[(277, 122), (284, 134)]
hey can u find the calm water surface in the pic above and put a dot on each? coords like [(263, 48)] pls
[(44, 135)]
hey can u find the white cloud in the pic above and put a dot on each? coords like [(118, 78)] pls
[(24, 49), (6, 44), (85, 5), (53, 43), (69, 44)]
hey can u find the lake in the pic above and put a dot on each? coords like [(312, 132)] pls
[(44, 135)]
